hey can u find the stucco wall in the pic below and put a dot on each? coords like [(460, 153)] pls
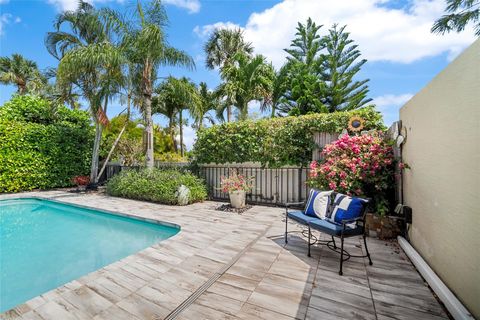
[(443, 184)]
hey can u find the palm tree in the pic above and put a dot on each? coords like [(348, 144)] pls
[(145, 46), (207, 102), (279, 86), (22, 73), (175, 96), (90, 62), (221, 49), (247, 79)]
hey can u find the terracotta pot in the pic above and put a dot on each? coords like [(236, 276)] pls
[(237, 199)]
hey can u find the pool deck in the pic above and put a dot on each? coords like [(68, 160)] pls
[(229, 266)]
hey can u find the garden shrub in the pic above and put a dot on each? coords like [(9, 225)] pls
[(156, 185), (42, 146), (357, 166), (274, 142)]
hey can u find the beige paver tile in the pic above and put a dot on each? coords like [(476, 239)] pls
[(200, 312), (250, 311), (230, 291), (220, 303), (87, 300), (143, 308), (283, 300)]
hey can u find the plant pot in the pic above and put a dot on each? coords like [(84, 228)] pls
[(386, 227), (237, 199)]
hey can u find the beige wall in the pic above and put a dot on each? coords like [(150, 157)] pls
[(443, 185)]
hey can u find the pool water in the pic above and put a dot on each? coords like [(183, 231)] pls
[(45, 244)]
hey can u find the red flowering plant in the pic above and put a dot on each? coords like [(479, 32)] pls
[(236, 182), (81, 180), (357, 166)]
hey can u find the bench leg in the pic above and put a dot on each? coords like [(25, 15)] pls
[(286, 226), (341, 256), (366, 249), (334, 244), (309, 237)]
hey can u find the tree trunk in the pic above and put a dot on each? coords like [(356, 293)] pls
[(229, 113), (96, 151), (181, 132), (112, 149), (147, 94), (172, 134)]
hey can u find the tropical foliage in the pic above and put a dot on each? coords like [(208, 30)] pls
[(42, 145), (458, 14), (22, 73), (156, 185), (90, 62), (274, 142), (144, 44), (357, 166)]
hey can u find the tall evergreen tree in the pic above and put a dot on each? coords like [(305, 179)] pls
[(305, 87), (458, 14), (339, 65)]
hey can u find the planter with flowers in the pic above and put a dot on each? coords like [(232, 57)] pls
[(237, 186), (81, 182), (361, 166)]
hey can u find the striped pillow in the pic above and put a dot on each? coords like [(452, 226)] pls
[(317, 203), (346, 208)]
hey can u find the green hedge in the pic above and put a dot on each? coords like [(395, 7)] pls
[(156, 185), (274, 142), (42, 146)]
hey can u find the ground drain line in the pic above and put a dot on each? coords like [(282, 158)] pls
[(207, 284)]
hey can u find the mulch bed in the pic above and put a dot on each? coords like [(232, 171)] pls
[(228, 208)]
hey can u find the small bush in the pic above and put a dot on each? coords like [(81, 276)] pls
[(156, 185)]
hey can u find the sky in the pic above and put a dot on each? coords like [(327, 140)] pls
[(393, 35)]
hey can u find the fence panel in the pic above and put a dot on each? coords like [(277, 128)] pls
[(270, 186), (321, 139)]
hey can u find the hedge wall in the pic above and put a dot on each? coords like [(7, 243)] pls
[(274, 142), (42, 146)]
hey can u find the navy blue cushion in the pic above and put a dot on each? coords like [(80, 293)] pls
[(317, 203), (300, 217), (346, 208), (334, 229)]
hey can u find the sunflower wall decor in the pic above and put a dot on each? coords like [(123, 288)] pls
[(356, 124)]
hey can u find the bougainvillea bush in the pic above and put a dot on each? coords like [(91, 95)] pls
[(358, 166)]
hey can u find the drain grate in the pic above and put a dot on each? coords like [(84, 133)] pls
[(207, 284)]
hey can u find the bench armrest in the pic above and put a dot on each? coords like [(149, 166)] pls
[(293, 204)]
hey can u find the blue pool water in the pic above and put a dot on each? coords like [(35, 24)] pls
[(44, 244)]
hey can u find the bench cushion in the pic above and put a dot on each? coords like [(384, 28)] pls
[(317, 203), (346, 208), (300, 217), (334, 229)]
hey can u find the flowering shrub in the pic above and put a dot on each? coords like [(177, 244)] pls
[(235, 182), (81, 180), (357, 166)]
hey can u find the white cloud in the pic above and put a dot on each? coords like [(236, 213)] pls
[(6, 19), (383, 34), (193, 6), (389, 105), (4, 1), (189, 136), (205, 31), (64, 5)]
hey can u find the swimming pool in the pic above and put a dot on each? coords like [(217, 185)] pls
[(45, 244)]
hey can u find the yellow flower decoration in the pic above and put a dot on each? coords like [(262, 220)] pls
[(356, 124)]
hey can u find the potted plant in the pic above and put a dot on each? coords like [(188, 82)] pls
[(237, 186), (81, 181)]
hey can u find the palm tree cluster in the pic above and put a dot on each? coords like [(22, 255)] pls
[(104, 55), (318, 76)]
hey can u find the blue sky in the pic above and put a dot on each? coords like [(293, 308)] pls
[(393, 35)]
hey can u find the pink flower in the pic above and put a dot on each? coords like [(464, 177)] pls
[(332, 185)]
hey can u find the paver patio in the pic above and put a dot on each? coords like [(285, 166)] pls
[(229, 266)]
